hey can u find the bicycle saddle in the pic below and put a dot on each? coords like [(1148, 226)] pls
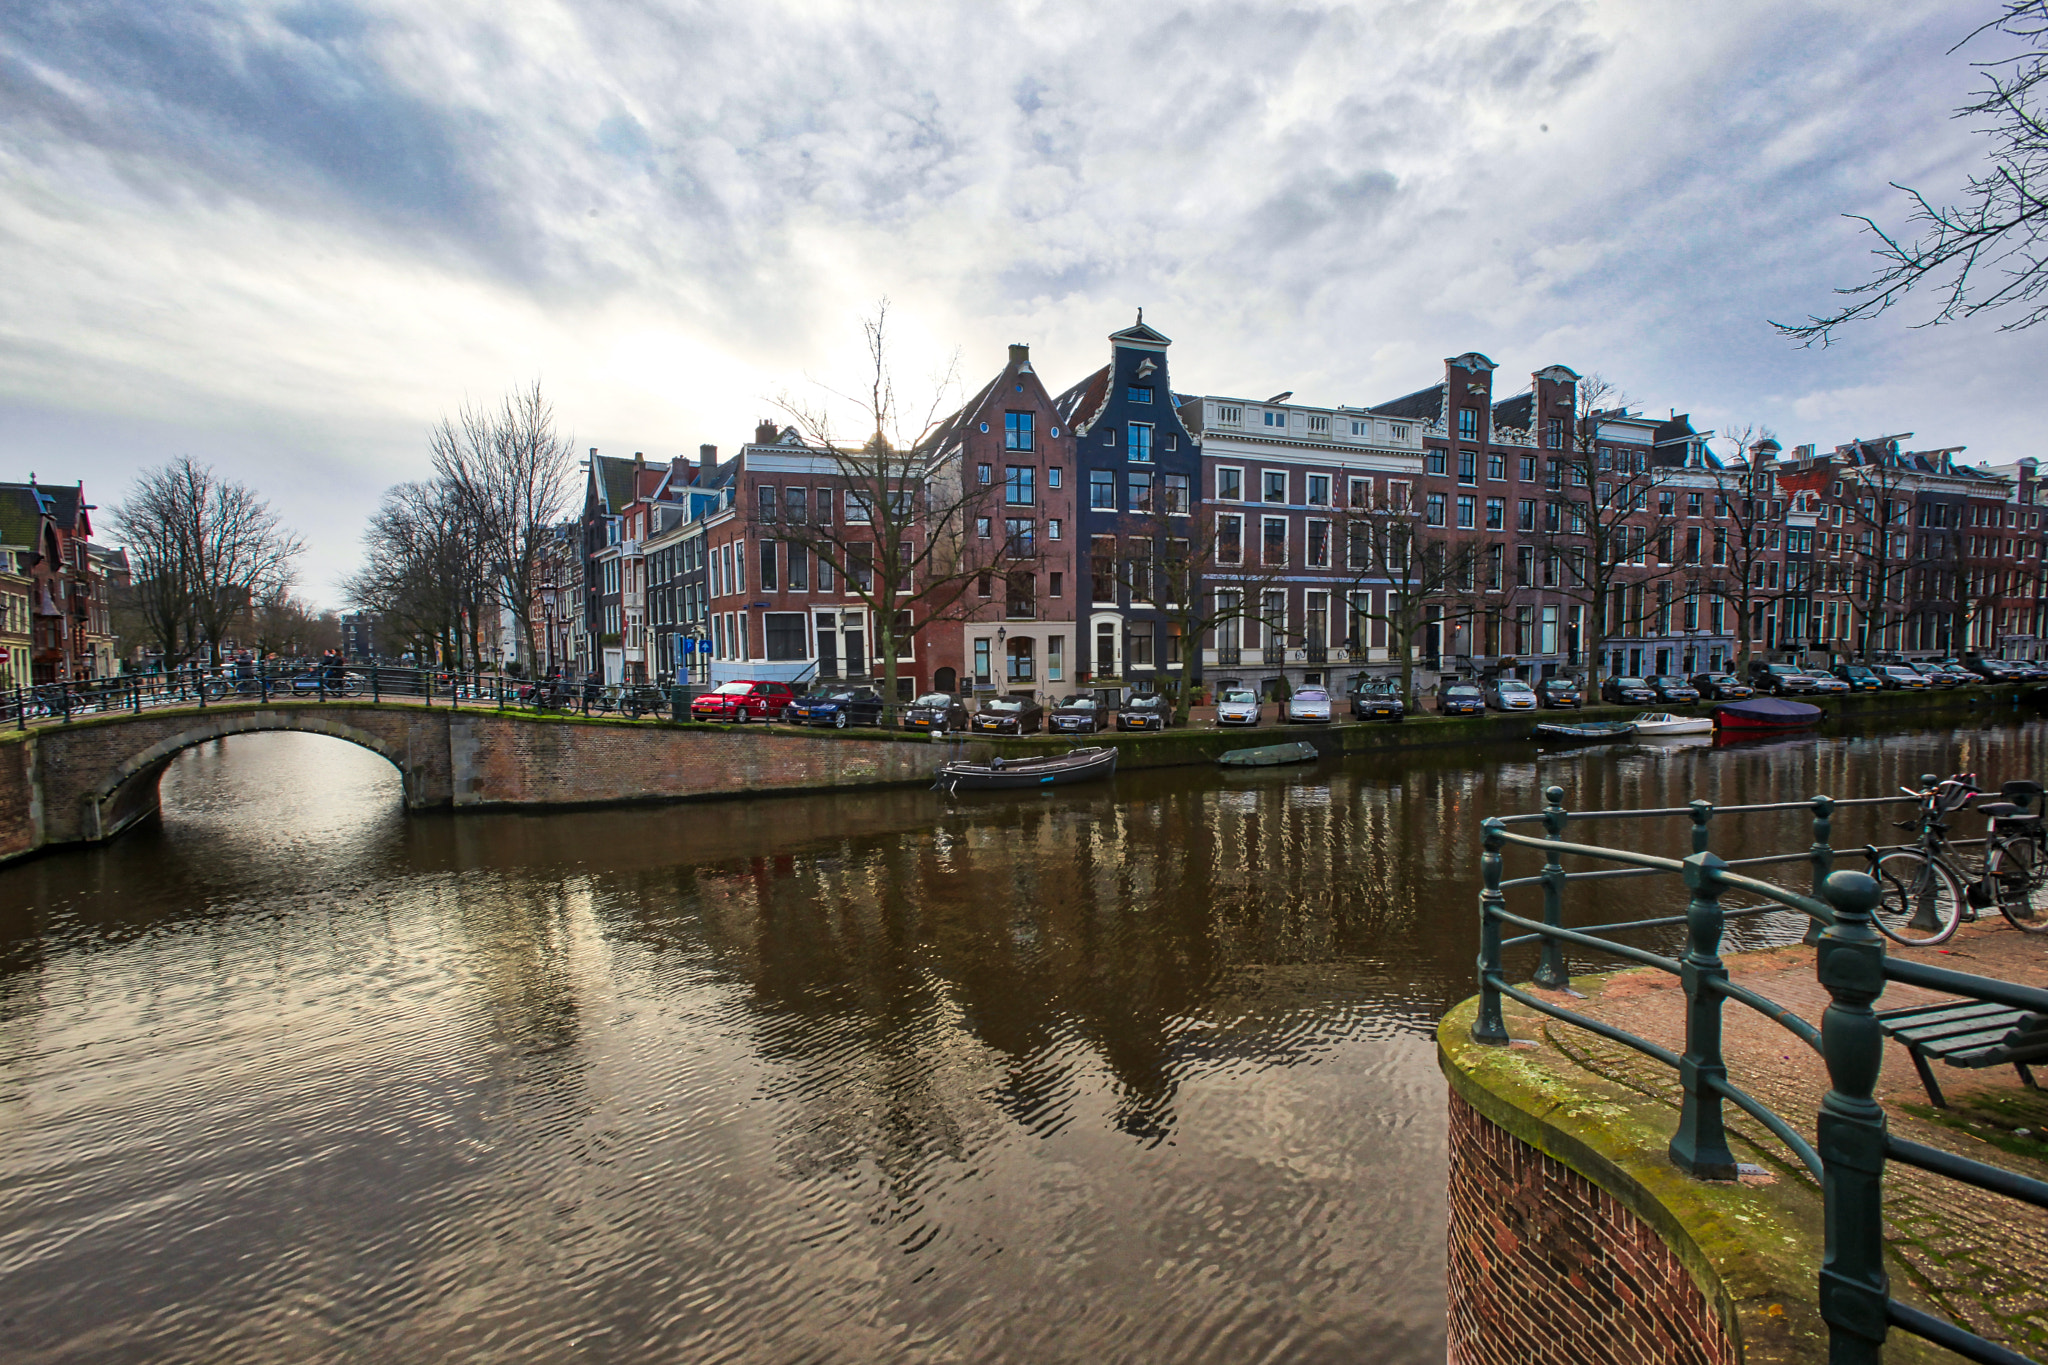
[(2020, 787), (1997, 810)]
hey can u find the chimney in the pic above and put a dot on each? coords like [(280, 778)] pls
[(766, 433), (707, 457), (1020, 358)]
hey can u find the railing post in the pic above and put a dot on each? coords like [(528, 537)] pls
[(20, 710), (1822, 854), (427, 685), (199, 685), (1489, 1027), (1700, 1146), (1851, 1131), (64, 701), (1702, 814), (376, 693), (1551, 973)]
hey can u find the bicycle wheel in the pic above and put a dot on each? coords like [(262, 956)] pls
[(1920, 902), (2018, 874)]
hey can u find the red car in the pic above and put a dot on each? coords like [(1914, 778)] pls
[(743, 701)]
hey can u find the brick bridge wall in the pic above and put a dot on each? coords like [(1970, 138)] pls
[(1547, 1268), (88, 781)]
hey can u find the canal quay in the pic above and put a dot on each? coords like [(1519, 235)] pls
[(1143, 1071)]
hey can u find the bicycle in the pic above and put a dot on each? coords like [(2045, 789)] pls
[(1925, 890)]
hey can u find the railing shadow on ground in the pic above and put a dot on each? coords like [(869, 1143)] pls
[(1852, 1142)]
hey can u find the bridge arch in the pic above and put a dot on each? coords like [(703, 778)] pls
[(125, 791)]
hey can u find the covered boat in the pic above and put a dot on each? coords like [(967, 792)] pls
[(1269, 756), (1766, 713), (1652, 724), (1585, 732), (1049, 770)]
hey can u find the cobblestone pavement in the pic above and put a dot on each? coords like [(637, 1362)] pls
[(1982, 1257)]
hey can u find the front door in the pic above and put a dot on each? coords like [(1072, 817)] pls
[(842, 644)]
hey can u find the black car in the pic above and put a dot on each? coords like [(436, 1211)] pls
[(837, 706), (1009, 716), (1860, 677), (935, 711), (1378, 700), (1560, 693), (1460, 699), (1992, 670), (1672, 688), (1080, 714), (1627, 692), (1780, 680), (1721, 687), (1145, 713)]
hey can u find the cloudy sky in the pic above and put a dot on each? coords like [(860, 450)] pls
[(285, 238)]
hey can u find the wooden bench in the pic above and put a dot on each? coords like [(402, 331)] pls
[(1968, 1033)]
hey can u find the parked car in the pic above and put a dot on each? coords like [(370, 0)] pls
[(1378, 699), (1669, 687), (836, 706), (1859, 677), (1309, 704), (743, 701), (1721, 686), (1780, 680), (1009, 716), (935, 711), (1560, 692), (1153, 712), (1459, 699), (1964, 677), (1509, 694), (1080, 714), (1900, 678), (1826, 684), (1627, 692), (1239, 706), (1935, 675), (1992, 670)]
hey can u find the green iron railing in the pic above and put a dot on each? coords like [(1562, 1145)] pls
[(1852, 1142)]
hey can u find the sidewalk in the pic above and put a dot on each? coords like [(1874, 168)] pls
[(1981, 1257)]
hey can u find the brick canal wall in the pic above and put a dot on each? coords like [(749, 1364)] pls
[(1546, 1266)]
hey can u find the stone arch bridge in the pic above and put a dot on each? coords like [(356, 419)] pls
[(88, 781)]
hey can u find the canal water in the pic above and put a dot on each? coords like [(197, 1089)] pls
[(1140, 1072)]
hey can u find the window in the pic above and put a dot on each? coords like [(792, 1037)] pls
[(1229, 416), (985, 585), (1020, 484), (1319, 490), (1433, 510), (1400, 431), (1319, 544), (1664, 503), (857, 507), (1055, 658), (1553, 432), (799, 568), (1020, 533), (1361, 493), (1277, 419), (1052, 477), (1525, 566), (982, 474), (1020, 597), (1177, 494), (1318, 426), (1434, 461), (766, 502), (1140, 447), (784, 636), (824, 506), (1102, 490), (1229, 539), (1139, 649), (1102, 568), (1692, 504), (860, 567), (1138, 393), (981, 673), (1141, 491), (1525, 514), (1527, 470), (1016, 431), (1359, 428), (1275, 483), (1139, 574), (1468, 467), (1358, 548), (1056, 585), (793, 509), (1468, 424), (982, 527), (1466, 510), (1229, 485), (1052, 528), (1397, 494), (1274, 541), (1496, 466)]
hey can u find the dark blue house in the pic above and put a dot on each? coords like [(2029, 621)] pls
[(1137, 483)]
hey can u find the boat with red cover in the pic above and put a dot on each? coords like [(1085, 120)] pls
[(1766, 713)]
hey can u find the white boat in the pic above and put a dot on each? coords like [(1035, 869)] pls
[(1652, 724)]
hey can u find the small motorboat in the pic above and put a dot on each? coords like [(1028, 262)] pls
[(1766, 713), (1005, 774), (1269, 756), (1584, 732), (1655, 724)]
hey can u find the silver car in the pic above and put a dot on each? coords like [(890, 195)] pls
[(1309, 704), (1238, 707)]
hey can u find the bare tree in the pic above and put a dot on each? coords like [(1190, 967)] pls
[(508, 471), (426, 571), (1743, 525), (1999, 230), (1605, 532), (206, 541), (1425, 567), (916, 537), (1883, 549)]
